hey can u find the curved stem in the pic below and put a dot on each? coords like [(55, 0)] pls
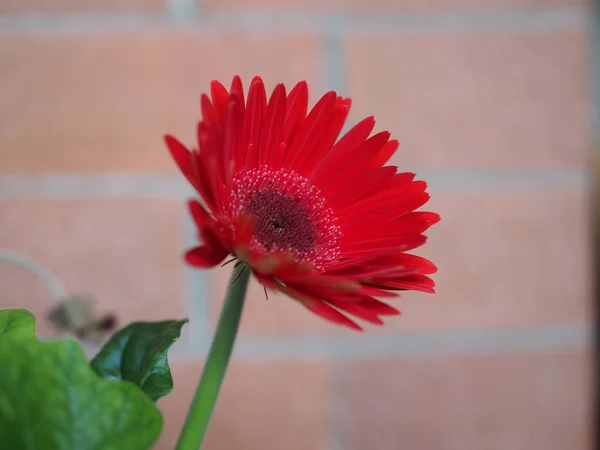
[(207, 391), (54, 285)]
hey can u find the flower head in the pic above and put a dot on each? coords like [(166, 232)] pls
[(321, 219)]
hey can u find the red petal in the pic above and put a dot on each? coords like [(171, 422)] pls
[(180, 154), (267, 281), (238, 90), (206, 256), (337, 155), (282, 265), (327, 312), (232, 140), (211, 160), (389, 195), (205, 221), (270, 140), (257, 103), (411, 223), (384, 155), (210, 117), (239, 157), (383, 209), (311, 131), (251, 157), (424, 266), (296, 105), (338, 119), (379, 308), (356, 309), (244, 227), (356, 164), (219, 97), (327, 283), (317, 306), (417, 222), (370, 246), (360, 187), (366, 271), (199, 214), (375, 292), (347, 263), (189, 164), (413, 282), (401, 178), (397, 265)]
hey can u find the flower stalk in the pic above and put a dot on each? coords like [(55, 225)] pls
[(209, 385)]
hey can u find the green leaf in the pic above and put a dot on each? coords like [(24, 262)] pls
[(50, 399), (138, 353), (17, 323)]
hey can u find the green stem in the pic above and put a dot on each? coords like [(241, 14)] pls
[(207, 391)]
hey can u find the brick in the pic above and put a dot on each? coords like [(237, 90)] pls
[(261, 405), (476, 99), (105, 101), (124, 253), (85, 6), (387, 5), (505, 259), (519, 401)]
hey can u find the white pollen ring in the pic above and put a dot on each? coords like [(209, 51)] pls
[(311, 230)]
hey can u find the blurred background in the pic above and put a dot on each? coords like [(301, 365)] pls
[(493, 104)]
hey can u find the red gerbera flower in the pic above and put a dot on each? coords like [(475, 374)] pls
[(322, 219)]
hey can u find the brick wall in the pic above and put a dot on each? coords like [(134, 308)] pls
[(492, 103)]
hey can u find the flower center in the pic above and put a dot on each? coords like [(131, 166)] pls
[(290, 215), (281, 222)]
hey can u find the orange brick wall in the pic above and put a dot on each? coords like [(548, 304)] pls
[(492, 103)]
